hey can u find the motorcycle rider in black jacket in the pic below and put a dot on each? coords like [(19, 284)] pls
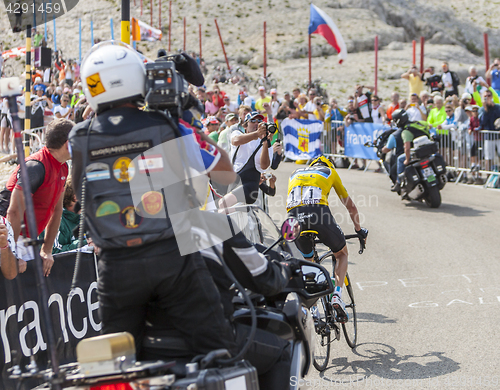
[(265, 275), (410, 131)]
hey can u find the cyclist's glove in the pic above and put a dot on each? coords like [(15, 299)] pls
[(362, 233)]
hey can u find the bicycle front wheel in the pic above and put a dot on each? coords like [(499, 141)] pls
[(322, 342), (350, 328)]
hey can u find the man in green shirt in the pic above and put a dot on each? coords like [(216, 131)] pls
[(37, 37), (212, 126)]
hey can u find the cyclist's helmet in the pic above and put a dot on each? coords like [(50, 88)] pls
[(323, 160), (400, 118)]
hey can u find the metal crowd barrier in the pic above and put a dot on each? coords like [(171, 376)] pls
[(37, 138), (333, 134), (472, 155)]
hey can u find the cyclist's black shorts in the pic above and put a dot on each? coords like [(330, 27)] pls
[(320, 219)]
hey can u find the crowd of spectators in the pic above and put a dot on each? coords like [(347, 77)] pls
[(434, 98)]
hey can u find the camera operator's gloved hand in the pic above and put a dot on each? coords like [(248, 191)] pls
[(362, 233), (293, 266)]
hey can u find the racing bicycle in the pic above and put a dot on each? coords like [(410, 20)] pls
[(326, 327)]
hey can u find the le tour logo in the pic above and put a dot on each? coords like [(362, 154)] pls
[(23, 13)]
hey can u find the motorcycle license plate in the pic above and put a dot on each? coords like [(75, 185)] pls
[(429, 174)]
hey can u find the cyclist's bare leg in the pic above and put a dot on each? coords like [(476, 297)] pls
[(341, 266)]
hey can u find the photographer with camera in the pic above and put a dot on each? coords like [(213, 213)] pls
[(128, 166), (493, 73), (251, 155), (473, 80)]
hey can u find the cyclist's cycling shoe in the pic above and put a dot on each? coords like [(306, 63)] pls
[(339, 307)]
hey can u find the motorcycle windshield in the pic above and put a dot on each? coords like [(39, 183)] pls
[(256, 224)]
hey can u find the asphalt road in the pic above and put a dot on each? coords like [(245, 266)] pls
[(427, 288)]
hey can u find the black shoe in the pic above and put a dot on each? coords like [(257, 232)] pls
[(396, 187)]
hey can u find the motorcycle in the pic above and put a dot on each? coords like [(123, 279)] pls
[(108, 362), (424, 176)]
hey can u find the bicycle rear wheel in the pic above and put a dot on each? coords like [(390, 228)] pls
[(350, 328), (322, 341)]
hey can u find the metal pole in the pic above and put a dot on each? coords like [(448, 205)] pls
[(169, 24), (91, 33), (27, 92), (125, 23), (159, 15), (184, 45), (222, 44), (422, 44), (80, 40), (55, 42), (414, 46), (32, 241), (45, 21), (310, 71), (141, 7), (487, 54), (199, 29), (151, 12), (265, 51), (376, 63), (111, 27)]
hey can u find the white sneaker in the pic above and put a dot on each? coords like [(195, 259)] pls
[(339, 307)]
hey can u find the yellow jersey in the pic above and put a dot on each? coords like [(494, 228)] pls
[(312, 185)]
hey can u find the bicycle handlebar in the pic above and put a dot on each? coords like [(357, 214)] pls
[(362, 244)]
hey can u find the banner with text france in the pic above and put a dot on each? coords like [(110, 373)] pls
[(357, 134), (301, 138)]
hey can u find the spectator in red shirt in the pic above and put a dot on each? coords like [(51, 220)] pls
[(47, 171), (218, 96)]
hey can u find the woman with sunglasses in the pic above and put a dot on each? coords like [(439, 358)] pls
[(378, 112)]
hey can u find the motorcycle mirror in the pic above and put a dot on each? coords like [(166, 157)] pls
[(290, 230)]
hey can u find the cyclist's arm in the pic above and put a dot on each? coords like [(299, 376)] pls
[(353, 211), (346, 199)]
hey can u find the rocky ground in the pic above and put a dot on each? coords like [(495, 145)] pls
[(453, 32)]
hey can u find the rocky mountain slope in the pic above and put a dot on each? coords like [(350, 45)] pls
[(453, 32)]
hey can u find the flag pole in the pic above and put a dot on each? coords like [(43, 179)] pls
[(222, 44), (376, 63), (125, 22), (265, 51), (310, 77), (169, 23)]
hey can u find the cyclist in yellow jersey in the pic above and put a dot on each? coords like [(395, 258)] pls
[(307, 200)]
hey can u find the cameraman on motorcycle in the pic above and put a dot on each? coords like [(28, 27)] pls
[(410, 131), (308, 190), (267, 275), (140, 260)]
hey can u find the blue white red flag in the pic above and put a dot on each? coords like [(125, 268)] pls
[(302, 138), (323, 25)]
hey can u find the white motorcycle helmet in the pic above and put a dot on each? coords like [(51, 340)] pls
[(112, 72)]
